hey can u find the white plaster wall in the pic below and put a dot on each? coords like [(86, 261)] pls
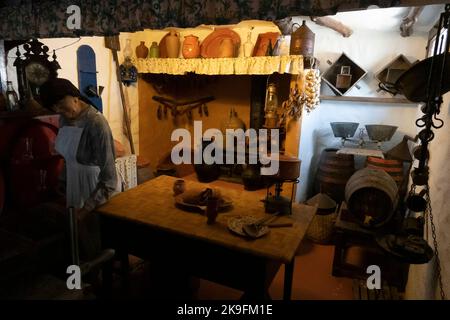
[(371, 50), (422, 282), (112, 106)]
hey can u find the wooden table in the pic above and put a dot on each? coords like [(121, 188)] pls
[(145, 222)]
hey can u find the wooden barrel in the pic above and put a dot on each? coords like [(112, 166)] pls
[(371, 197), (34, 165), (392, 167), (333, 173)]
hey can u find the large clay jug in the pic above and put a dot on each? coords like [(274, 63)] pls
[(141, 50), (191, 47), (226, 49), (173, 44)]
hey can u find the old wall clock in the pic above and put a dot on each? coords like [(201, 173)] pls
[(34, 68)]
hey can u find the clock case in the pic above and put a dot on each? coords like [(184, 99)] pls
[(35, 52)]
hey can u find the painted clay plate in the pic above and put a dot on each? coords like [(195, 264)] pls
[(236, 224), (210, 47)]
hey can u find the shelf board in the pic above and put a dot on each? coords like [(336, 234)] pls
[(368, 99), (222, 66)]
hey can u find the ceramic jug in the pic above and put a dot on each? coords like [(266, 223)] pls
[(173, 44), (141, 50), (154, 50), (226, 49), (191, 47)]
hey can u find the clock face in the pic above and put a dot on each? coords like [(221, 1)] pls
[(37, 73)]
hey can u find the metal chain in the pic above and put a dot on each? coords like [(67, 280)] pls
[(435, 244)]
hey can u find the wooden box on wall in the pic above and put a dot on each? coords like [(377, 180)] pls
[(343, 75), (393, 70)]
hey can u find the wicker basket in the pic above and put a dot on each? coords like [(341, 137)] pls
[(126, 171), (321, 228)]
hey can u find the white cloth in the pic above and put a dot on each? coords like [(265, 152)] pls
[(81, 180)]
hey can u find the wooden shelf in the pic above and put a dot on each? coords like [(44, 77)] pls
[(368, 99), (222, 66)]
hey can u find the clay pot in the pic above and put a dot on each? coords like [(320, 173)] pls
[(179, 187), (141, 50), (191, 47), (226, 48), (232, 122), (172, 44)]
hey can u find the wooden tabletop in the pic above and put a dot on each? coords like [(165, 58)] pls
[(152, 203)]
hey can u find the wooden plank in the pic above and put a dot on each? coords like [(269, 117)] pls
[(368, 99), (371, 294), (394, 293), (386, 292), (356, 290), (364, 295)]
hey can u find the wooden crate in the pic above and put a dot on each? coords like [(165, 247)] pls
[(393, 70), (361, 292), (332, 73)]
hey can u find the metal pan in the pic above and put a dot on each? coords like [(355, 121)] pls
[(413, 83)]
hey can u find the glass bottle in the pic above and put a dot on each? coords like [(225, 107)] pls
[(248, 45), (127, 51), (283, 49), (28, 152), (12, 100)]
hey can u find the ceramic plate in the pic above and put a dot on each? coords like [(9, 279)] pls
[(224, 205), (235, 224), (210, 47)]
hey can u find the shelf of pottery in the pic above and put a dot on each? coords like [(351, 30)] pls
[(257, 49)]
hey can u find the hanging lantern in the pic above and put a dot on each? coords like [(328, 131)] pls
[(271, 106), (302, 41)]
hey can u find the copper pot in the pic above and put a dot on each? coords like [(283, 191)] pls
[(289, 167)]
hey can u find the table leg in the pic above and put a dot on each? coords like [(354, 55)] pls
[(288, 277)]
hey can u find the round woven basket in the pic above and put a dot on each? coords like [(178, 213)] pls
[(321, 228)]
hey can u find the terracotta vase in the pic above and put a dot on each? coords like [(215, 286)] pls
[(191, 47), (226, 48), (172, 44), (141, 50)]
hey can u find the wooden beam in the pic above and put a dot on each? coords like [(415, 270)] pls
[(333, 24), (368, 99), (406, 28)]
